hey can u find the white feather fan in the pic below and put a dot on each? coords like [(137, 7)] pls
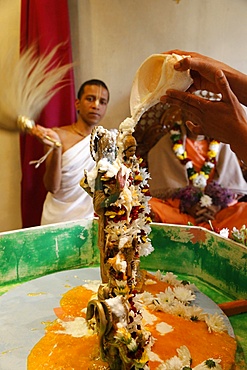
[(26, 86)]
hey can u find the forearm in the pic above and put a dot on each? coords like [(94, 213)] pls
[(239, 143), (238, 84), (52, 177)]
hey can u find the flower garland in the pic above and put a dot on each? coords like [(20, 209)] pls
[(214, 193), (199, 191), (198, 179)]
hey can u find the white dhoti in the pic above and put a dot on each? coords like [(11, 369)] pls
[(71, 202)]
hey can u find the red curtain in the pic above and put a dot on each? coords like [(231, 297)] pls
[(44, 23)]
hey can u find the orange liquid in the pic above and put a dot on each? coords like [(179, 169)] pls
[(60, 351)]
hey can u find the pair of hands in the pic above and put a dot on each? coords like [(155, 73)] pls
[(223, 120), (203, 214)]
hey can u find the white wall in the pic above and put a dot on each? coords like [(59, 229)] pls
[(111, 38), (10, 173)]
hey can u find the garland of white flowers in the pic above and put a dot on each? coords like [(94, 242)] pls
[(198, 179)]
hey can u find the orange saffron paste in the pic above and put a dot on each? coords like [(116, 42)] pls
[(56, 351)]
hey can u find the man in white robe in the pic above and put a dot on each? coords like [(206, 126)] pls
[(65, 164)]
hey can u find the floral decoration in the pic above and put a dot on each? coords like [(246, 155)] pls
[(197, 179), (177, 300), (220, 196), (240, 235), (121, 196), (213, 193), (125, 220)]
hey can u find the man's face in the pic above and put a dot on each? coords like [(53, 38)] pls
[(92, 105)]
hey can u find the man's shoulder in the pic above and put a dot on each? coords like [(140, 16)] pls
[(62, 128), (66, 135)]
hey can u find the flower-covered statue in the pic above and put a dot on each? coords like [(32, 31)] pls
[(120, 191)]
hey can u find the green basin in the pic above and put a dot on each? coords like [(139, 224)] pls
[(215, 264)]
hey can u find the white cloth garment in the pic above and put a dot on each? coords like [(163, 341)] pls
[(71, 202), (168, 174)]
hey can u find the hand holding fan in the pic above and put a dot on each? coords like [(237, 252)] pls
[(27, 85)]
